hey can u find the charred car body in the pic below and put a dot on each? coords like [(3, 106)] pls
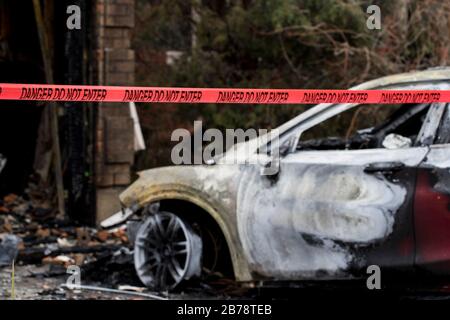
[(378, 196)]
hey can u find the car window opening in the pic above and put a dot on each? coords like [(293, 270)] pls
[(367, 127)]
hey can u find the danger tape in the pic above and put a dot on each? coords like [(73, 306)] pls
[(39, 92)]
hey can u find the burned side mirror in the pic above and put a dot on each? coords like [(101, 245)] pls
[(271, 168)]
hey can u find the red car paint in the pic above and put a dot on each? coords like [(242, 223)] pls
[(432, 225)]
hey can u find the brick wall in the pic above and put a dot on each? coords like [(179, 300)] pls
[(114, 136)]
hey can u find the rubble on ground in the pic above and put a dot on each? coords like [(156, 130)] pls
[(44, 245), (32, 234), (9, 248), (49, 239)]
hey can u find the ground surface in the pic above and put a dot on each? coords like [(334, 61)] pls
[(44, 282), (33, 282)]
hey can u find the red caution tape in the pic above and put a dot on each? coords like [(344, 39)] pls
[(215, 95)]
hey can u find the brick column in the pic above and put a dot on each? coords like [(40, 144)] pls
[(115, 66)]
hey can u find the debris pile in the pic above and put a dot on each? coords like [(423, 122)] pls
[(31, 233), (9, 247), (44, 245)]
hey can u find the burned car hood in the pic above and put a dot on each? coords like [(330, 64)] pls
[(216, 184)]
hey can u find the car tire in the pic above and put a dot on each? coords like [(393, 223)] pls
[(166, 251)]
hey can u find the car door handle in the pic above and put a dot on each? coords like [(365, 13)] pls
[(384, 167)]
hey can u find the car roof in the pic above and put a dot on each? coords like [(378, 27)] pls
[(429, 76)]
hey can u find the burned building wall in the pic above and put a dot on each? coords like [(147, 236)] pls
[(114, 133), (96, 140), (20, 61)]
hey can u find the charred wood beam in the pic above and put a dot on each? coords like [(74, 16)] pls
[(53, 107)]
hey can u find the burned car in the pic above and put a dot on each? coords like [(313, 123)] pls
[(378, 193)]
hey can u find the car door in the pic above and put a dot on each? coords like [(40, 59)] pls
[(330, 212), (432, 200)]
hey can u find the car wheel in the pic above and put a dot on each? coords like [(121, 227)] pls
[(166, 251)]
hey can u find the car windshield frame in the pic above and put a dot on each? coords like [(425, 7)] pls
[(291, 131)]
